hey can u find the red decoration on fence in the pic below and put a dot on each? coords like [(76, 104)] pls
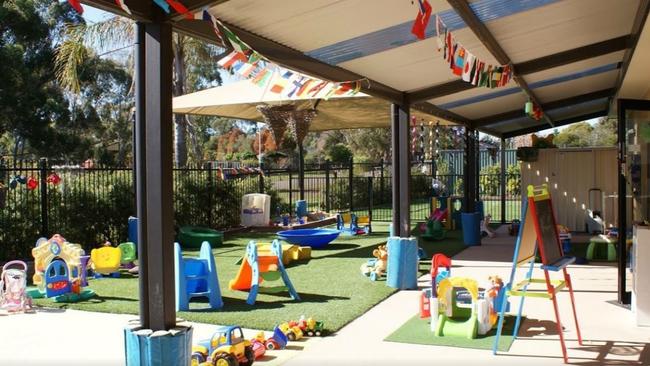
[(54, 178), (32, 183)]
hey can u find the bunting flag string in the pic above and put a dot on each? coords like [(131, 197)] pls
[(462, 62)]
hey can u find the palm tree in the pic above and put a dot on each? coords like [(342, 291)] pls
[(193, 68)]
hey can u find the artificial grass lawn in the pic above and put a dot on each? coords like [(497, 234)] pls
[(330, 285), (418, 331)]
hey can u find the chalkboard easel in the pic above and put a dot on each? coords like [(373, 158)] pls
[(538, 230)]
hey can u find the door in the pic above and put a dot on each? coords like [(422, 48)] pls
[(633, 178), (57, 279)]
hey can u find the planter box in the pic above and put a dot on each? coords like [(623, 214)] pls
[(527, 154)]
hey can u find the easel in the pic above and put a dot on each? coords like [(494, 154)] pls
[(538, 229)]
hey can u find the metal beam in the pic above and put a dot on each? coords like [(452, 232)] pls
[(154, 145), (578, 99), (573, 55), (637, 27), (401, 158), (559, 123), (432, 109), (531, 66), (487, 39), (469, 172)]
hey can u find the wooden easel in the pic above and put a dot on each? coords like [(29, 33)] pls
[(538, 229)]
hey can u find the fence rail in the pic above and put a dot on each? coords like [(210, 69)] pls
[(91, 205)]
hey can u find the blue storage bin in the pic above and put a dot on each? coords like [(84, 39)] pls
[(402, 267)]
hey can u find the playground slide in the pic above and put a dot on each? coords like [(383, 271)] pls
[(242, 281)]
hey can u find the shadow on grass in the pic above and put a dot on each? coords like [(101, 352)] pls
[(232, 304)]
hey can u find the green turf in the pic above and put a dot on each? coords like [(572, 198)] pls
[(418, 331), (331, 285)]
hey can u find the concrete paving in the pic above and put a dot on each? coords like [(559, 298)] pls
[(610, 337)]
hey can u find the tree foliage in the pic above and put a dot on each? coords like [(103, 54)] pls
[(602, 133)]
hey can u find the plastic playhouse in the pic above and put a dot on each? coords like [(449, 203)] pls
[(196, 277), (60, 271), (258, 267)]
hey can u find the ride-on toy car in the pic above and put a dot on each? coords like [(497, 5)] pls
[(227, 347), (293, 333), (309, 326)]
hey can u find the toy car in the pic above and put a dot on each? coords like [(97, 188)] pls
[(309, 326), (259, 349), (277, 341), (292, 332), (227, 347)]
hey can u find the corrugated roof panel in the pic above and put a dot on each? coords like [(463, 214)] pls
[(609, 59), (580, 86), (492, 106), (400, 34), (578, 109), (413, 66), (562, 25)]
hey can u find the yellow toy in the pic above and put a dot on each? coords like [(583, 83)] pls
[(106, 260), (292, 332)]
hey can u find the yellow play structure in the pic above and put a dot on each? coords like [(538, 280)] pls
[(47, 250)]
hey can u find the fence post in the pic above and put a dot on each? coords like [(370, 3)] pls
[(210, 190), (327, 186), (370, 203), (350, 179), (290, 191), (381, 181), (261, 181), (503, 180), (44, 203)]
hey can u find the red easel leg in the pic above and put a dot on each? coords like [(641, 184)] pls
[(567, 278), (551, 291)]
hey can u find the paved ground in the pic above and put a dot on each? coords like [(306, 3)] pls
[(53, 337)]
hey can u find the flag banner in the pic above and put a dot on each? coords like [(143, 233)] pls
[(180, 9), (123, 6), (419, 28)]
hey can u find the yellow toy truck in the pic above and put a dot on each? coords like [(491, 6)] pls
[(227, 347)]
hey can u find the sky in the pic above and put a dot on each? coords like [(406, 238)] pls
[(93, 15)]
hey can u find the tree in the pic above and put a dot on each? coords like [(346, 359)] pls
[(32, 105), (339, 153), (193, 68), (602, 133)]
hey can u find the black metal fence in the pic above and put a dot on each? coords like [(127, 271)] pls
[(91, 205)]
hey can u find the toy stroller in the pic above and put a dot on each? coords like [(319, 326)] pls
[(13, 287)]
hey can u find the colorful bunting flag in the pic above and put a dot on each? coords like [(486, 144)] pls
[(123, 6), (76, 5), (422, 19), (180, 9), (163, 5)]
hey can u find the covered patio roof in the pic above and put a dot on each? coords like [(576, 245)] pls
[(566, 56), (569, 56)]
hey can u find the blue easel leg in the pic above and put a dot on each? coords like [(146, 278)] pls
[(521, 304), (502, 314)]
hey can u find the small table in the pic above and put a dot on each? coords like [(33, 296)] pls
[(595, 250)]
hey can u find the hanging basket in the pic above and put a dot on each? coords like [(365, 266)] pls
[(299, 124), (277, 117), (527, 154)]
